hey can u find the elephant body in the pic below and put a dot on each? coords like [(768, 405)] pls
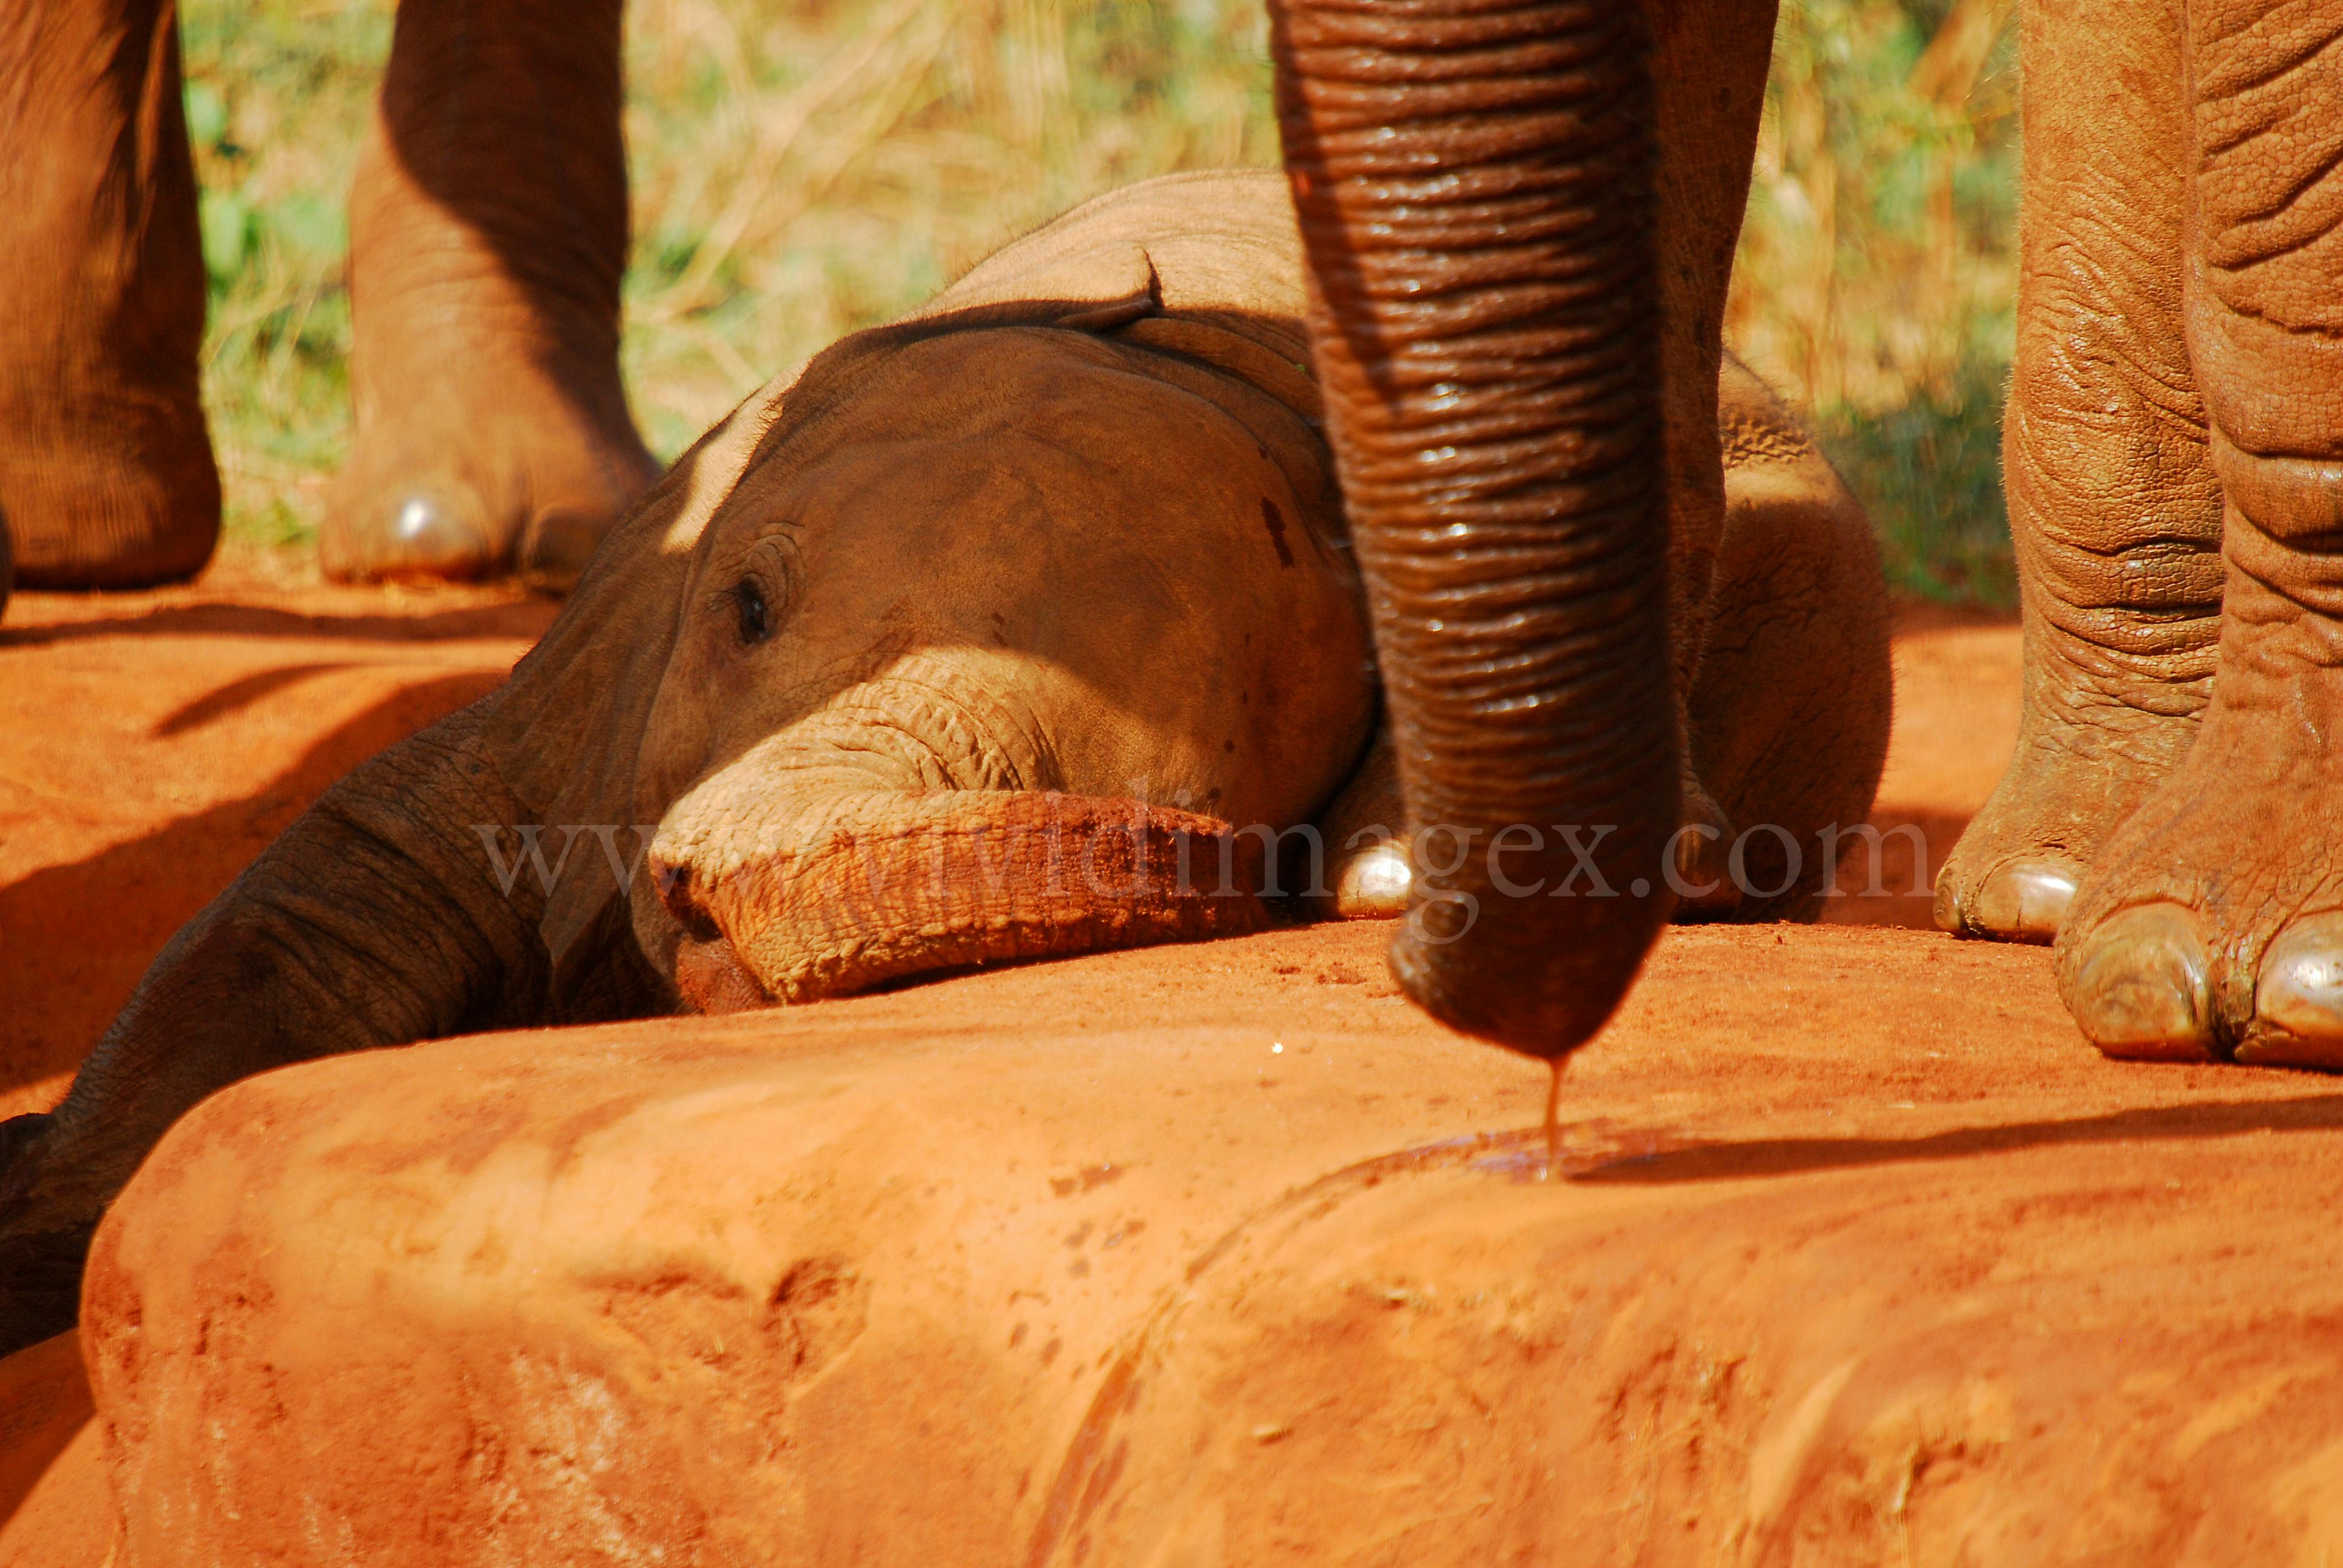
[(971, 643), (1518, 224)]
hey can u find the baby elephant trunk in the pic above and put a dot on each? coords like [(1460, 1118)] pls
[(868, 887)]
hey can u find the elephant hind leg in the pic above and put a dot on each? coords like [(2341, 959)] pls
[(1786, 719), (106, 477), (1789, 712), (488, 237)]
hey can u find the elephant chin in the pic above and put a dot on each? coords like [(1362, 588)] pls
[(710, 977), (857, 893)]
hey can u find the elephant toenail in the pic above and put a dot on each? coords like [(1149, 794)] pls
[(1948, 911), (1373, 885), (430, 530), (2298, 998), (2022, 901), (2140, 988)]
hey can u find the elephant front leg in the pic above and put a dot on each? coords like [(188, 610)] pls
[(2114, 509), (106, 477), (2212, 924), (488, 239)]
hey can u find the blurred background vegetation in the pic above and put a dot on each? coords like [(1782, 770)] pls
[(804, 168)]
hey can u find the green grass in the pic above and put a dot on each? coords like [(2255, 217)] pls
[(802, 170), (1875, 278), (1928, 470)]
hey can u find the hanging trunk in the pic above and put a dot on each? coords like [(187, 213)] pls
[(1474, 184)]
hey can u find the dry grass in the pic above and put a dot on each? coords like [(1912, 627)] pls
[(802, 170), (1875, 279)]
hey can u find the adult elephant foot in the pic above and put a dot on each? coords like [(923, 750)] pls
[(2115, 511), (2102, 727), (509, 475), (2212, 925), (487, 236), (106, 477)]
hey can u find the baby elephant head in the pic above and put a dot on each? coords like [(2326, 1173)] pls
[(999, 636)]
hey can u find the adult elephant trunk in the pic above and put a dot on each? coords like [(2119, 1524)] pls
[(1474, 182)]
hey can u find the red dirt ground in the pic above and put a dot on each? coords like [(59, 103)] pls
[(155, 744), (1862, 1255)]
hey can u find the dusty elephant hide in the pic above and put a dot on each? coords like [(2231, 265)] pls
[(968, 643)]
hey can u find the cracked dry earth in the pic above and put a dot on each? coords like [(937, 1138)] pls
[(1193, 1256)]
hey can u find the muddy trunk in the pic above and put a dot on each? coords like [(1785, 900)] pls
[(1474, 184), (867, 887)]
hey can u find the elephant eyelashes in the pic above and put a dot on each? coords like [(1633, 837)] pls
[(756, 616)]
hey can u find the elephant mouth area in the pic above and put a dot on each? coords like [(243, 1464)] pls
[(711, 979)]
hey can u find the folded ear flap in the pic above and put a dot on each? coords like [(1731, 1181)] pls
[(565, 731), (1037, 283)]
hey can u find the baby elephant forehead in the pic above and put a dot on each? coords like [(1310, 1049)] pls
[(1051, 384), (1043, 417)]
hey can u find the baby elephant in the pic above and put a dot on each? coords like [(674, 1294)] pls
[(1024, 626)]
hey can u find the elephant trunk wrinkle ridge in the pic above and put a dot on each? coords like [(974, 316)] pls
[(1475, 189)]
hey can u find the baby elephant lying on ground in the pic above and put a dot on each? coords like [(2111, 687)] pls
[(965, 645)]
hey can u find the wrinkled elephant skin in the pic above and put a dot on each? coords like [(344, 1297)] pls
[(971, 643), (2174, 437), (487, 235)]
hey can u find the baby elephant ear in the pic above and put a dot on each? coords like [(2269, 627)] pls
[(1036, 283), (564, 732)]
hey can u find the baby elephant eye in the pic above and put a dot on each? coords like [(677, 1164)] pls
[(756, 617)]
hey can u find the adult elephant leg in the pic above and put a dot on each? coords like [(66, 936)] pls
[(106, 477), (2114, 507), (2212, 921), (1475, 185), (488, 237)]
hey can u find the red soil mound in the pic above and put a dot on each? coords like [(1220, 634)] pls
[(1223, 1254), (1186, 1256)]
